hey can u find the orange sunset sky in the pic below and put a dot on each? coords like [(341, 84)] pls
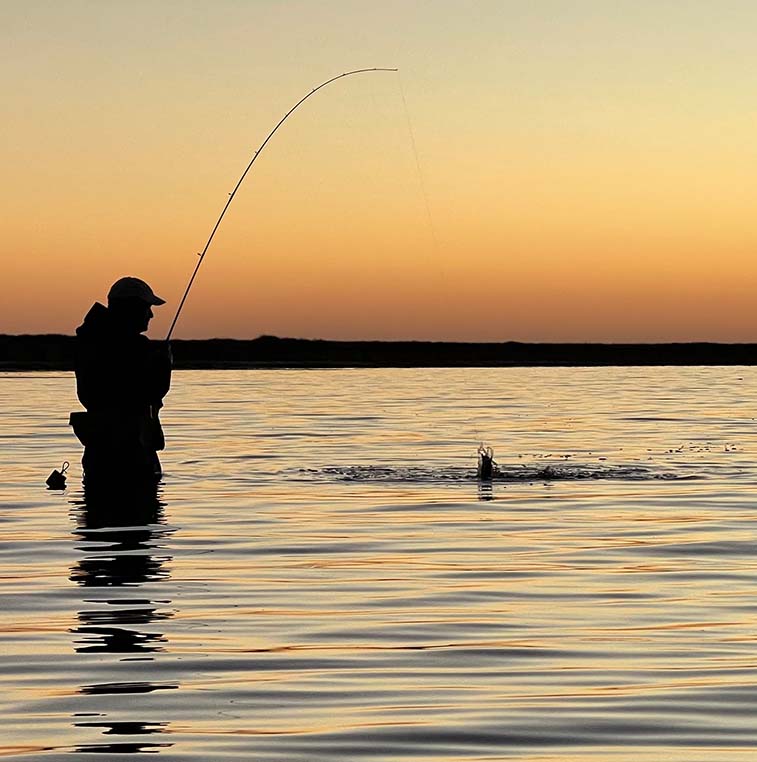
[(588, 169)]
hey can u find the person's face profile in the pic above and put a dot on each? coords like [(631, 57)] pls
[(133, 314)]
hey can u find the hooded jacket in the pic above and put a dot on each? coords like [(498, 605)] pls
[(121, 379)]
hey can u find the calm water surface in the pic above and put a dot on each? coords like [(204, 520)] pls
[(322, 577)]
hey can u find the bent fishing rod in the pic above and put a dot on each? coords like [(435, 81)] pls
[(202, 254)]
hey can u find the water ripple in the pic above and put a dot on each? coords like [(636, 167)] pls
[(322, 577)]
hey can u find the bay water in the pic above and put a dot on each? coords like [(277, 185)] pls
[(322, 577)]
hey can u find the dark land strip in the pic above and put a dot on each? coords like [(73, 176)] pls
[(56, 352)]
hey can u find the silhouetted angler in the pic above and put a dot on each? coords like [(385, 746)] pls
[(121, 379)]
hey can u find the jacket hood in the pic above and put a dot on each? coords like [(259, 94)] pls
[(100, 324), (97, 322)]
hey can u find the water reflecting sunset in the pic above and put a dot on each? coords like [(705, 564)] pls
[(322, 577)]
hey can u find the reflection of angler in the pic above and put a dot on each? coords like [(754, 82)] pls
[(114, 631), (120, 533), (120, 551)]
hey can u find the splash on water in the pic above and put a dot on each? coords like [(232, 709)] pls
[(487, 466), (502, 473)]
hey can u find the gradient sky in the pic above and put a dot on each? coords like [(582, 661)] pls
[(588, 168)]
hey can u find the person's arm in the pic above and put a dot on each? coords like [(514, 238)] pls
[(92, 376), (159, 371)]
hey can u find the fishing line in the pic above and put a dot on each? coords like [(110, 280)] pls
[(421, 180), (257, 153), (481, 444)]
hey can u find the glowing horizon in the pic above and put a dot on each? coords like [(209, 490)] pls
[(588, 170)]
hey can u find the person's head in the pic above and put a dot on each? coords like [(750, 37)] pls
[(131, 300)]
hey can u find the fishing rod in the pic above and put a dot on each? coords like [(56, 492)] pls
[(202, 254)]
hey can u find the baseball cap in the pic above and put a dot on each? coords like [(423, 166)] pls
[(133, 288)]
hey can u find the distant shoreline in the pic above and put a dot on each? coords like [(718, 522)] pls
[(56, 352)]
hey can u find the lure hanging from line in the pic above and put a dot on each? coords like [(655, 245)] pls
[(201, 255)]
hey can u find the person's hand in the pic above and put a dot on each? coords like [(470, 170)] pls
[(163, 351)]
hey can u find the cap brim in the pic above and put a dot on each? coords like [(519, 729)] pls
[(156, 301)]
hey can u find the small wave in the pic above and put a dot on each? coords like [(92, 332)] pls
[(562, 472)]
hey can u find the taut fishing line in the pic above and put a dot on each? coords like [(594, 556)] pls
[(422, 185), (421, 180), (257, 153), (486, 463)]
